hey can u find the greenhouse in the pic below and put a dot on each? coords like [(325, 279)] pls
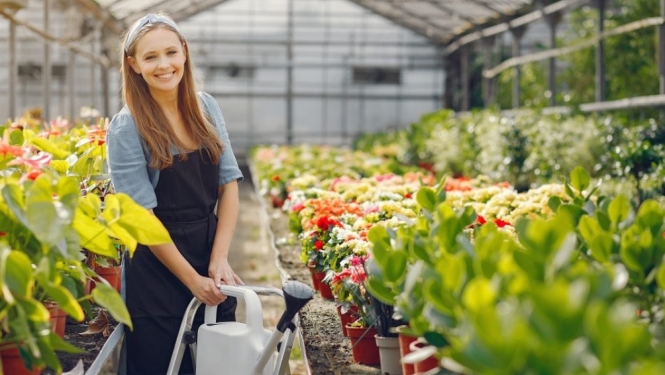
[(349, 186)]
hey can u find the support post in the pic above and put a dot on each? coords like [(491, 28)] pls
[(464, 77), (487, 43), (552, 20), (661, 49), (517, 34), (600, 53), (289, 75), (46, 67), (105, 76), (13, 71)]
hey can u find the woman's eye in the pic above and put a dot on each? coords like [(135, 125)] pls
[(150, 57), (172, 52)]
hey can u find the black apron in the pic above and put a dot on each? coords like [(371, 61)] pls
[(186, 196)]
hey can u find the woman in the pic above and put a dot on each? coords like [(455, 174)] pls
[(168, 148)]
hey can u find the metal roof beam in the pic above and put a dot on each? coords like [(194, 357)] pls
[(195, 8), (103, 15), (447, 8), (559, 6), (430, 32), (161, 5)]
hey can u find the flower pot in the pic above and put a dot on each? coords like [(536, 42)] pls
[(404, 349), (363, 345), (110, 274), (58, 318), (12, 364), (426, 364), (389, 355), (324, 288), (315, 281), (350, 316)]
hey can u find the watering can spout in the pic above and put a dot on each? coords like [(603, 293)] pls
[(296, 295)]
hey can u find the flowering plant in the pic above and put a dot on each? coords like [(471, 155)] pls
[(348, 286)]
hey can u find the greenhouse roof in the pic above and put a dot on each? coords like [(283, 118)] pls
[(441, 21)]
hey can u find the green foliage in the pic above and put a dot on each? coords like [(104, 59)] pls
[(558, 297)]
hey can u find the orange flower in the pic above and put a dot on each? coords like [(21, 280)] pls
[(6, 148)]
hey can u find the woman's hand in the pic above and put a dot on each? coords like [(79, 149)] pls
[(221, 273), (206, 290)]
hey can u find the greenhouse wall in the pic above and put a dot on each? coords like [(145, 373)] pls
[(352, 70)]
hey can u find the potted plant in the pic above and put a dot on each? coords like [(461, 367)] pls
[(386, 337), (44, 224)]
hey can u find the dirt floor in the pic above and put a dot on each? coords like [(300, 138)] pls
[(253, 257)]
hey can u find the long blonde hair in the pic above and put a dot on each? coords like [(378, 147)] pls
[(151, 122)]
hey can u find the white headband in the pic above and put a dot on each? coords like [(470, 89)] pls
[(149, 18)]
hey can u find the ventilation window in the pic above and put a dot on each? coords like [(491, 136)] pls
[(373, 75)]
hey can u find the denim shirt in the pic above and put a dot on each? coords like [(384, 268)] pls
[(128, 159)]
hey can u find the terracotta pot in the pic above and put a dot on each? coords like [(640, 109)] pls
[(12, 364), (426, 364), (58, 318), (324, 288), (348, 317), (404, 349), (389, 355), (363, 344), (110, 274), (315, 281)]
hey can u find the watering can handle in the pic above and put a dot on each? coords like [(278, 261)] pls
[(252, 306)]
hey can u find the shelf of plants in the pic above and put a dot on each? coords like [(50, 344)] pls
[(501, 273)]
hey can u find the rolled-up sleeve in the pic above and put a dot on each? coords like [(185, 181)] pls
[(228, 165), (126, 161)]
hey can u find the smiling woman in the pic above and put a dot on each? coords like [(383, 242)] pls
[(169, 149)]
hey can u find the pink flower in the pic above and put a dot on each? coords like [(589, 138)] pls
[(38, 161)]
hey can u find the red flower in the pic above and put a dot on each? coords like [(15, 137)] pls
[(318, 245), (500, 223), (408, 195), (325, 223), (33, 174), (275, 178), (480, 220)]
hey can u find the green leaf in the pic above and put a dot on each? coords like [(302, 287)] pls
[(579, 178), (588, 228), (60, 345), (140, 223), (478, 295), (436, 339), (16, 138), (619, 209), (93, 236), (110, 299), (379, 290), (14, 200), (395, 268), (553, 203), (47, 221), (660, 277), (44, 144), (426, 198), (18, 274), (65, 299), (601, 247)]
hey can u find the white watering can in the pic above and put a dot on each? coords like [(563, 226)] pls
[(233, 348)]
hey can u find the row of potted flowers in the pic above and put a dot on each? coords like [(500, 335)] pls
[(59, 224), (333, 217)]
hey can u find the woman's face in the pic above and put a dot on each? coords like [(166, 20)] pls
[(160, 59)]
